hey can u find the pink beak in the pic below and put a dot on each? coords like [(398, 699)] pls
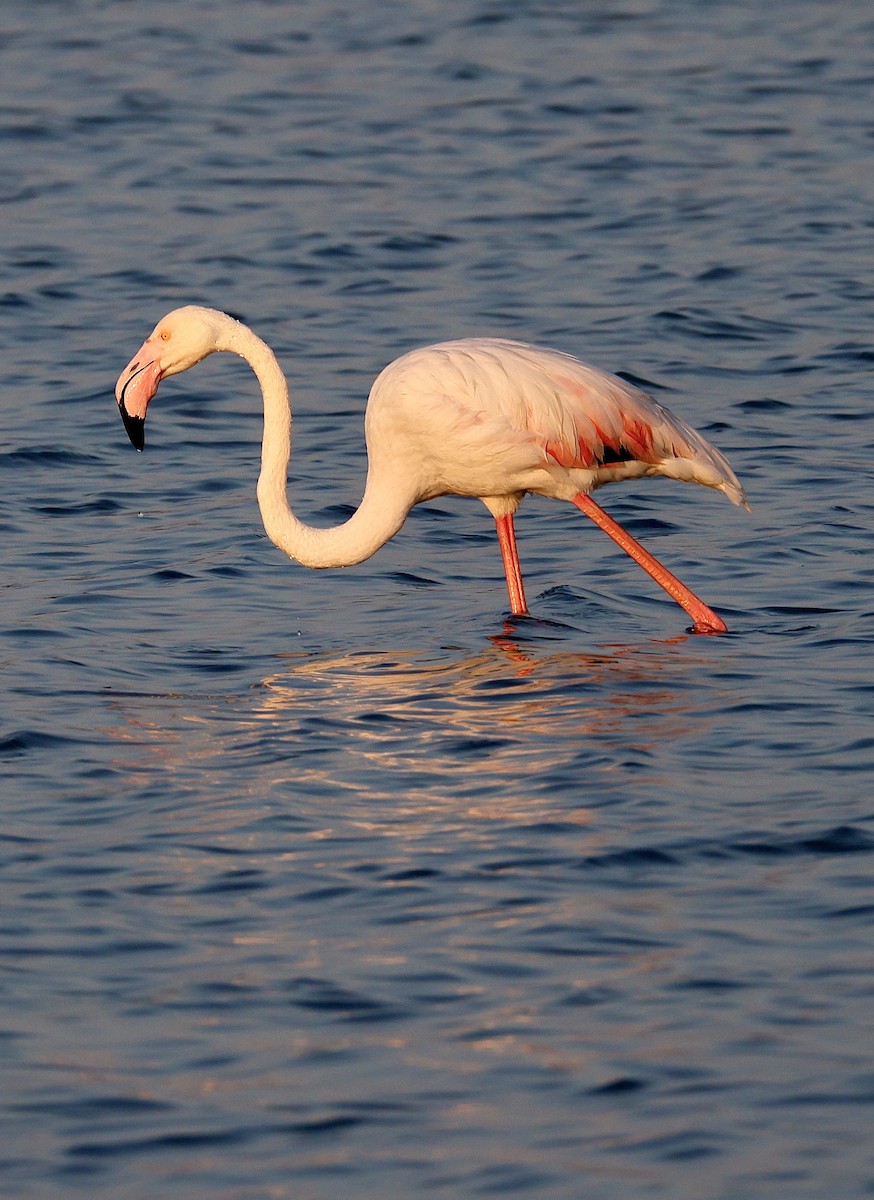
[(136, 386)]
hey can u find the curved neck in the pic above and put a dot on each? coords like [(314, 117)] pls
[(379, 516)]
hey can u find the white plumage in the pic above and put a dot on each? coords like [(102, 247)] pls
[(566, 414)]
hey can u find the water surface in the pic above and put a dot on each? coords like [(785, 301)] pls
[(344, 884)]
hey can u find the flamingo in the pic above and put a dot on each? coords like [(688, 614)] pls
[(480, 417)]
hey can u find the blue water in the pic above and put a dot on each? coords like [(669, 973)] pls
[(335, 885)]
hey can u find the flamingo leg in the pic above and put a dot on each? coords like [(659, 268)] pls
[(507, 542), (704, 618)]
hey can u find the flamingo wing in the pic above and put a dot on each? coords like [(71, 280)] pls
[(551, 409)]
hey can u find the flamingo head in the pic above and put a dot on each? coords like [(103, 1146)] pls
[(178, 341)]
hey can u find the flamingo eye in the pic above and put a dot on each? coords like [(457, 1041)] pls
[(164, 335)]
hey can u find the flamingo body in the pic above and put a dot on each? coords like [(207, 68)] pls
[(480, 417), (495, 419)]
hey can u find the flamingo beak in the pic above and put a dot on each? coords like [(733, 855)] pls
[(136, 386)]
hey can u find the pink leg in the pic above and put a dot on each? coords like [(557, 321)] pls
[(705, 619), (507, 541)]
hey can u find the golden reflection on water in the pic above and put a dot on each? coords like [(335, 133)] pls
[(475, 733), (547, 696), (491, 719)]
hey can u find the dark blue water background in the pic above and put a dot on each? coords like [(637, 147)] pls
[(341, 885)]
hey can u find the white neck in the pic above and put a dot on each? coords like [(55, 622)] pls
[(379, 516)]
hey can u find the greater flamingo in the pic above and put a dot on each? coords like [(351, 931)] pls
[(478, 417)]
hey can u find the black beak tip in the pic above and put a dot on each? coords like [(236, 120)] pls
[(135, 426)]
